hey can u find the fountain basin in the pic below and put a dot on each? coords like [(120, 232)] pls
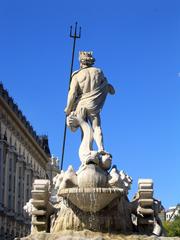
[(91, 199)]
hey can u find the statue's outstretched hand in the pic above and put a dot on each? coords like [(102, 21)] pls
[(111, 89)]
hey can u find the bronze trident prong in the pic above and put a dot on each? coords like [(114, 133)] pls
[(74, 36), (75, 32)]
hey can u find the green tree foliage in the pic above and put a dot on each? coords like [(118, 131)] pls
[(173, 228)]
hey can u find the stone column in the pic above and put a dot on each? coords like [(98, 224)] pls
[(16, 186), (10, 180), (1, 237), (3, 177), (27, 185), (19, 187), (22, 184), (14, 180), (6, 182), (1, 174)]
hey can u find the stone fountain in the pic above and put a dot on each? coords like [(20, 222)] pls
[(91, 203)]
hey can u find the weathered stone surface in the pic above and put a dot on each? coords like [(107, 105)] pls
[(41, 184), (92, 176), (91, 199), (39, 206), (69, 179), (88, 90), (119, 179), (92, 202), (88, 235), (114, 218)]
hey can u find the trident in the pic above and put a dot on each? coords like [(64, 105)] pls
[(74, 36)]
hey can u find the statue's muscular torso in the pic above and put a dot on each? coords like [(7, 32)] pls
[(83, 81), (88, 79)]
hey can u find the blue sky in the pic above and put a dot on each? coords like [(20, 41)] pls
[(136, 43)]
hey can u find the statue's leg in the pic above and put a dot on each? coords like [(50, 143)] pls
[(97, 131)]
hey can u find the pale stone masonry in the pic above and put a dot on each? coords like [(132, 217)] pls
[(92, 202), (172, 213), (24, 156)]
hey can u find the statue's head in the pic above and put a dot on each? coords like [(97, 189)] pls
[(86, 59)]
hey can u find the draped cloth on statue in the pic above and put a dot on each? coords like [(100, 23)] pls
[(92, 102)]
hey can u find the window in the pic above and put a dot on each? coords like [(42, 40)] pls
[(20, 172), (19, 150), (0, 166), (14, 183), (19, 189), (9, 202), (10, 141), (27, 194), (19, 208), (0, 156), (10, 164), (15, 160), (10, 182), (28, 180)]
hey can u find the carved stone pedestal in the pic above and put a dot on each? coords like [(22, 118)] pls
[(88, 235), (115, 217)]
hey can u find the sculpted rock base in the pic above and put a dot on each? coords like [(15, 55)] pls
[(114, 218), (88, 235)]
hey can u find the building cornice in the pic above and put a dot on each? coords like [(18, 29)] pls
[(13, 111)]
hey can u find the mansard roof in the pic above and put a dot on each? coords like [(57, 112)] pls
[(42, 141)]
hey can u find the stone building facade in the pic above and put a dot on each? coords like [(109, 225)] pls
[(24, 156), (172, 213)]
